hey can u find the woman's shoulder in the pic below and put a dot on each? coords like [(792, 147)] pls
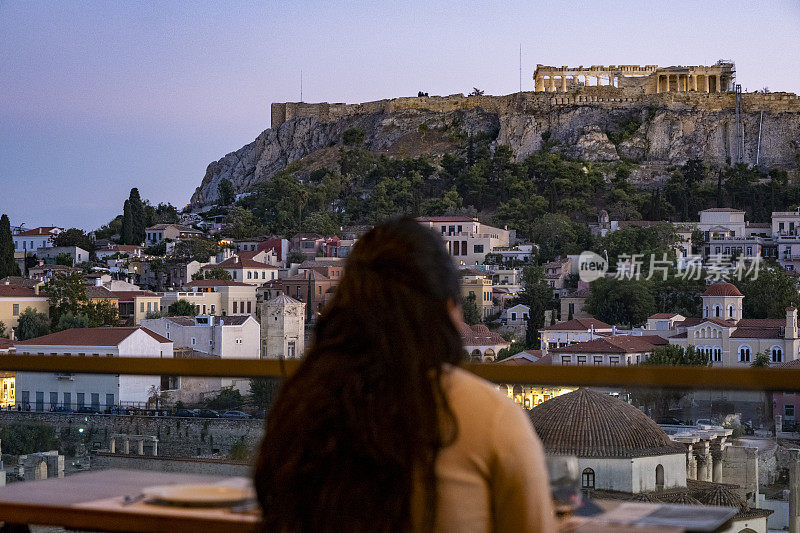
[(462, 385)]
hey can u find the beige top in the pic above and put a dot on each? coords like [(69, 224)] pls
[(493, 477)]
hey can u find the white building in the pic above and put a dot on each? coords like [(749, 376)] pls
[(33, 239), (46, 391), (76, 253), (573, 331), (230, 337), (466, 239)]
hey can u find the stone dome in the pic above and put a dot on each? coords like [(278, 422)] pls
[(682, 498), (586, 423), (722, 289)]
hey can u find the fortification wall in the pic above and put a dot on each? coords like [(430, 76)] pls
[(538, 102)]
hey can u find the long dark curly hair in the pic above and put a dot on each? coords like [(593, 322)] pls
[(357, 429)]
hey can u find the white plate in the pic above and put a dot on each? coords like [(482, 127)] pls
[(199, 494)]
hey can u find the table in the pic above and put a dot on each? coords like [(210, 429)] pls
[(66, 502)]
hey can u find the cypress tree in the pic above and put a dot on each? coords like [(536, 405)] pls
[(8, 267), (127, 224), (138, 216)]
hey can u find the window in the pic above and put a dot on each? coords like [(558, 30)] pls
[(587, 479), (290, 349), (581, 360), (234, 274), (15, 309), (320, 290), (460, 229), (788, 411), (598, 359), (53, 400), (478, 249), (463, 247), (730, 311), (514, 316), (109, 401), (149, 308), (81, 400), (613, 360), (68, 399), (263, 275), (213, 309), (659, 477), (456, 248), (744, 353), (716, 311), (249, 275), (566, 359), (194, 341), (236, 306), (248, 305), (39, 401), (776, 353), (96, 401), (572, 308), (716, 354), (141, 307)]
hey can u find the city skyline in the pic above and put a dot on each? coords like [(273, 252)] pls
[(102, 98)]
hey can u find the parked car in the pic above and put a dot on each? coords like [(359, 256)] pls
[(671, 420), (208, 413), (185, 413), (235, 414), (706, 422)]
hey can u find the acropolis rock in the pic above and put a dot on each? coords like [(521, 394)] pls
[(672, 116)]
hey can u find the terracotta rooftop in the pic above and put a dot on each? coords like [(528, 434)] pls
[(721, 210), (525, 357), (104, 336), (6, 344), (620, 344), (19, 280), (17, 291), (586, 423), (480, 335), (43, 230), (658, 316), (757, 333), (578, 324), (216, 283), (96, 292), (793, 364), (445, 219), (722, 289)]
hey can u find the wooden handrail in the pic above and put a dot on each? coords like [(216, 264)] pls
[(686, 377)]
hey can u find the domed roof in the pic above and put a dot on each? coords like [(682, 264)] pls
[(722, 289), (682, 498), (590, 424), (724, 497)]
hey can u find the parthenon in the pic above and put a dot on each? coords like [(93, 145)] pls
[(648, 79)]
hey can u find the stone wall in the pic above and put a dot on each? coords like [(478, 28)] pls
[(177, 437), (208, 467)]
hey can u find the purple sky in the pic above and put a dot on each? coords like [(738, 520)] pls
[(99, 97)]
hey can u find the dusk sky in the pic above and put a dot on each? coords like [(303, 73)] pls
[(99, 97)]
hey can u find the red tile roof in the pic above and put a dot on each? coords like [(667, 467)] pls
[(761, 323), (578, 324), (43, 230), (722, 289), (104, 336), (6, 344), (216, 283), (757, 333), (16, 291), (663, 315), (445, 219), (243, 260), (614, 344), (795, 363), (694, 321), (480, 335), (128, 296)]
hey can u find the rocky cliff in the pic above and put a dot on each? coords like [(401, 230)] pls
[(601, 124)]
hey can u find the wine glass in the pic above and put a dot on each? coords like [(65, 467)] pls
[(562, 471)]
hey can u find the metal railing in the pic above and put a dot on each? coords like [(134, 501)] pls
[(688, 377)]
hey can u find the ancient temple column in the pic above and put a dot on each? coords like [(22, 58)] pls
[(658, 83), (552, 84), (140, 444), (155, 447), (538, 86), (563, 84), (113, 446), (694, 83), (667, 87), (691, 465), (127, 446)]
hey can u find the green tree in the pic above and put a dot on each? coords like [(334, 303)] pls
[(761, 360), (8, 266), (32, 324), (21, 438), (226, 193), (228, 398), (181, 308), (70, 321), (621, 301), (66, 293), (354, 137), (101, 313), (241, 224), (295, 256), (199, 250), (557, 235), (137, 216), (212, 273), (515, 348), (3, 333), (769, 294), (74, 237), (263, 391), (64, 259), (472, 314), (538, 296), (127, 235)]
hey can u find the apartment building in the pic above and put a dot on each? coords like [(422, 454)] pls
[(467, 239)]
